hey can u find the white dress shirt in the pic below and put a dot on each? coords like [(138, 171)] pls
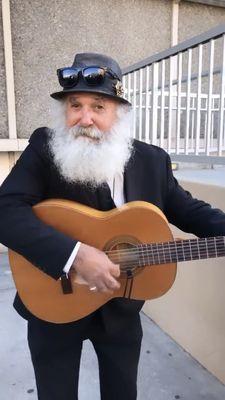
[(117, 193)]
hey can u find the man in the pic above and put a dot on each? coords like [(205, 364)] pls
[(90, 158)]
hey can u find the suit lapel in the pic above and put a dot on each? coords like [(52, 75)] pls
[(133, 177)]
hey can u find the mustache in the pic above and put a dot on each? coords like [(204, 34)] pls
[(89, 132)]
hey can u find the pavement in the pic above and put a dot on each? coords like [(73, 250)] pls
[(166, 371), (200, 174)]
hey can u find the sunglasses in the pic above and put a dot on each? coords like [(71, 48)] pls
[(93, 75)]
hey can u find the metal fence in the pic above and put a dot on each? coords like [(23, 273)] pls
[(178, 98)]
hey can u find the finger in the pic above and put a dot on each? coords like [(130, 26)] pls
[(112, 284), (102, 288), (115, 270)]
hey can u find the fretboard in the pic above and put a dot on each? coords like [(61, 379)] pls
[(170, 252), (182, 250)]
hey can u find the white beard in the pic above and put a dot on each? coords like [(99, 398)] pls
[(84, 160)]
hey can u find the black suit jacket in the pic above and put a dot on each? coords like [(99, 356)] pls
[(148, 176)]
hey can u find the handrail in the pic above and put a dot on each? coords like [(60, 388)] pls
[(187, 120)]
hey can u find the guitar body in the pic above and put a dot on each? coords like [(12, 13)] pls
[(134, 223)]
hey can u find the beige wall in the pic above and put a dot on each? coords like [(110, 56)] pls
[(192, 312), (198, 18), (46, 36)]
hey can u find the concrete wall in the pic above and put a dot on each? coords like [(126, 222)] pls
[(46, 36), (198, 18), (192, 312)]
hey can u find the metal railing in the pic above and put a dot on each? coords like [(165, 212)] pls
[(178, 98)]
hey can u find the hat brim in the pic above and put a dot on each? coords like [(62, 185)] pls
[(63, 93)]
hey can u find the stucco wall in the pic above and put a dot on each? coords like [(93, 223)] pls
[(46, 36), (198, 18), (3, 106)]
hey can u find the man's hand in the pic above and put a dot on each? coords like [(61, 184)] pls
[(96, 269)]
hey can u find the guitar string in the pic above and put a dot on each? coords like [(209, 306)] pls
[(178, 254), (187, 242), (191, 244), (136, 263)]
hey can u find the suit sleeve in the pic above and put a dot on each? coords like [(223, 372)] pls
[(190, 214), (20, 230)]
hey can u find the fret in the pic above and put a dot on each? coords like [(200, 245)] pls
[(157, 251), (164, 255), (206, 247), (173, 252), (212, 253), (153, 256), (179, 247), (220, 246), (187, 250), (176, 251), (214, 241), (170, 248), (142, 255), (180, 250), (182, 247), (167, 252), (198, 249), (147, 256), (148, 259), (189, 243)]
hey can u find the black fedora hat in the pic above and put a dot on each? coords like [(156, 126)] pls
[(110, 86)]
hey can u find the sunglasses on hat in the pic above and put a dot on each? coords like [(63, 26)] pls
[(92, 75)]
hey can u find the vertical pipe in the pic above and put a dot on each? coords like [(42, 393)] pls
[(140, 102), (154, 115), (134, 103), (209, 105), (10, 90), (170, 106), (129, 87), (221, 110), (179, 103), (162, 117), (186, 144), (147, 132), (198, 105), (175, 22)]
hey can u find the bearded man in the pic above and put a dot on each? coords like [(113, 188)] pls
[(89, 157)]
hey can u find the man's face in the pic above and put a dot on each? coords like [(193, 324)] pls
[(91, 140), (90, 110)]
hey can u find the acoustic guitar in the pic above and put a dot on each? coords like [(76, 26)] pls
[(136, 236)]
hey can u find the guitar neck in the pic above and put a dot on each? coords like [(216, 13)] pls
[(170, 252), (181, 250)]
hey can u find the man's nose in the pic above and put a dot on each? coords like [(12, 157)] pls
[(86, 118)]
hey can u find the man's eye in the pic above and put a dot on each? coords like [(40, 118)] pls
[(99, 107), (75, 105)]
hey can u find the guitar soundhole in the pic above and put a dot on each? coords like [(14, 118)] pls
[(122, 251)]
